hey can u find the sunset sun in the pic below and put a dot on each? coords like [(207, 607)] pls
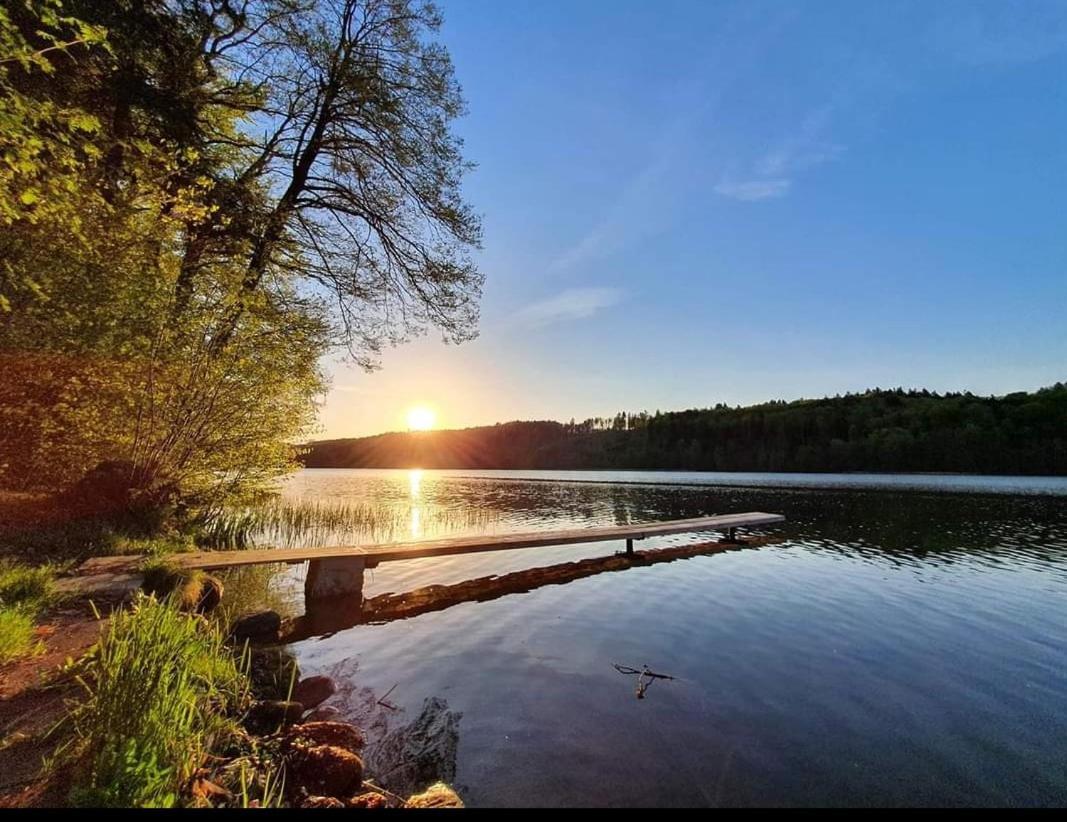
[(421, 418)]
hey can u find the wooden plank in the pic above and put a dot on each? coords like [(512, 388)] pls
[(391, 552)]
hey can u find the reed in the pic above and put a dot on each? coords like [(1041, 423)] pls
[(309, 523)]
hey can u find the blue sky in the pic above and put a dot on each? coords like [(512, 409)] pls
[(688, 203)]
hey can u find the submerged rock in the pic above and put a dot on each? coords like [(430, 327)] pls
[(267, 716), (314, 690), (262, 626), (420, 753), (438, 795), (338, 734), (324, 770), (324, 713)]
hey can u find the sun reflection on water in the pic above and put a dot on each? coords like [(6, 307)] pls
[(415, 489)]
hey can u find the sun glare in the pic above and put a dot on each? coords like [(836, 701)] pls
[(421, 418)]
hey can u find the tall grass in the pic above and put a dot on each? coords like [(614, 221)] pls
[(159, 690), (24, 592), (283, 522)]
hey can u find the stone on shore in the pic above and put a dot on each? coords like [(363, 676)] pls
[(322, 802), (438, 795), (314, 690), (269, 716), (210, 594), (324, 770), (262, 626), (368, 799), (337, 734)]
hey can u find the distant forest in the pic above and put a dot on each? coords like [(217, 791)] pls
[(878, 430)]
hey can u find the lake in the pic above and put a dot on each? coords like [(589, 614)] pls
[(903, 641)]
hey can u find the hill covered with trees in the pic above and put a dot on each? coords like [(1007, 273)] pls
[(878, 430)]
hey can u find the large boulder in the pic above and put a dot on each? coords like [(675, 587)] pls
[(314, 690)]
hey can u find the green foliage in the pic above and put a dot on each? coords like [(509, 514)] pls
[(877, 430), (159, 690), (24, 592), (26, 585), (176, 255), (44, 143), (16, 633)]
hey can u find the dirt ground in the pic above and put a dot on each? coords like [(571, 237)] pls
[(34, 696)]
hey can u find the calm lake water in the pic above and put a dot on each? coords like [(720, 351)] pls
[(904, 643)]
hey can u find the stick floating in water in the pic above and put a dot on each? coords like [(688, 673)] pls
[(645, 677)]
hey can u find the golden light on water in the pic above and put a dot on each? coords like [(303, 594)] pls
[(421, 418), (415, 487)]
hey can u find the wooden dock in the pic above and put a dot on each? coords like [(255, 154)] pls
[(335, 571)]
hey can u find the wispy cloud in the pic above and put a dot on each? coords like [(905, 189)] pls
[(753, 190), (643, 199), (773, 174), (571, 304)]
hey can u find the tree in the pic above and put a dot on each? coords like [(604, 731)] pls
[(252, 182), (355, 170)]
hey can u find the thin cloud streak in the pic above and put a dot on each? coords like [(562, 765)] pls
[(571, 304), (751, 191)]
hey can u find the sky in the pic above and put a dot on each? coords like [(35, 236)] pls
[(688, 203)]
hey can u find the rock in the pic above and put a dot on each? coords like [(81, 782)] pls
[(323, 713), (368, 799), (314, 690), (338, 734), (324, 770), (438, 795), (266, 717), (272, 672), (211, 589), (322, 802), (420, 753), (262, 626)]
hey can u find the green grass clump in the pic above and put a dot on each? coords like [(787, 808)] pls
[(26, 585), (16, 634), (161, 689), (24, 592)]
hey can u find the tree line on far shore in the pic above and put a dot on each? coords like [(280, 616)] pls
[(877, 430)]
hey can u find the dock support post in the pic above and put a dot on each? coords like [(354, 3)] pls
[(629, 547), (731, 535), (335, 577)]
